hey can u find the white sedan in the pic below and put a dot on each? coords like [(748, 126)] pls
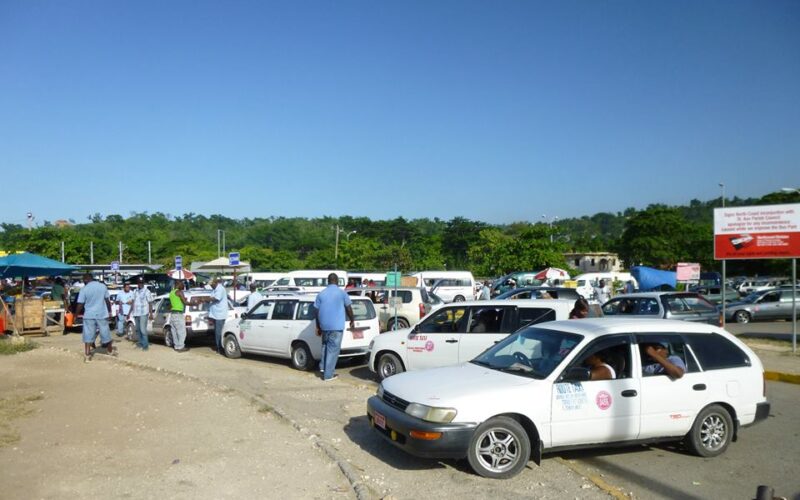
[(573, 384)]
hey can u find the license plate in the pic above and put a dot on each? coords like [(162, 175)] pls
[(358, 334), (379, 420)]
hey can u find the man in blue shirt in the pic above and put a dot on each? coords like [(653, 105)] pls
[(94, 302), (664, 363), (331, 306)]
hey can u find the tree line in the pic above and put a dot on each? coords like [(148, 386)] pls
[(658, 236)]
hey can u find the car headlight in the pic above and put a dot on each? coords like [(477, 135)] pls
[(431, 413), (380, 391)]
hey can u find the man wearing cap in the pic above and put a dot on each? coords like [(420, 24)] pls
[(141, 311), (663, 362), (331, 306), (254, 298)]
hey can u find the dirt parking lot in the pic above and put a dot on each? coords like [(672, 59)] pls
[(106, 430)]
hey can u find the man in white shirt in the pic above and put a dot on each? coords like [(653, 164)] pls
[(602, 292), (254, 298)]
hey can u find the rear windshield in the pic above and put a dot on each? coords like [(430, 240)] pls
[(363, 310)]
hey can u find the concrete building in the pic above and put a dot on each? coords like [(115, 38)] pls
[(594, 262)]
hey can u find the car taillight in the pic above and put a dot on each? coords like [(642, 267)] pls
[(188, 320), (421, 310)]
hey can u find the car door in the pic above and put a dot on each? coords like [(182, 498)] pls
[(785, 305), (487, 326), (254, 328), (434, 342), (160, 317), (769, 306), (598, 411), (281, 328)]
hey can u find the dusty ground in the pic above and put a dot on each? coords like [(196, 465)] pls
[(106, 430)]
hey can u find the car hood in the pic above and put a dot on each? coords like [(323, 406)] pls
[(448, 385)]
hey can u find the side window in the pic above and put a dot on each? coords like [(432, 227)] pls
[(283, 309), (533, 315), (699, 305), (363, 310), (446, 320), (282, 282), (163, 306), (261, 311), (676, 305), (305, 311), (787, 296), (674, 350), (770, 297), (607, 358), (715, 352), (491, 320), (647, 307)]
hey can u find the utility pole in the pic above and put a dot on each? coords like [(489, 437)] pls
[(91, 252), (149, 253), (724, 279), (62, 251)]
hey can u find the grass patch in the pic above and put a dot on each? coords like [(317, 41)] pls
[(12, 408), (8, 347)]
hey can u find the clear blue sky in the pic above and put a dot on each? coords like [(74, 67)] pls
[(495, 111)]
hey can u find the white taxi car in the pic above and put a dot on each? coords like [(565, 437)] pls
[(284, 326), (458, 332), (532, 393)]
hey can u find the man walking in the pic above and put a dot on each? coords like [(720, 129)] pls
[(177, 322), (124, 303), (331, 305), (141, 311), (218, 310), (94, 302), (601, 292)]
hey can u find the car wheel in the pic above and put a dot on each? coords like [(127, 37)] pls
[(742, 317), (458, 298), (231, 346), (389, 364), (711, 433), (168, 337), (499, 448), (301, 357), (130, 332), (401, 323)]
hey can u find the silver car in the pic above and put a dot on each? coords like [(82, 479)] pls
[(685, 306), (772, 304)]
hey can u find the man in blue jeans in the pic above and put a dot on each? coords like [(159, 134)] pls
[(331, 306)]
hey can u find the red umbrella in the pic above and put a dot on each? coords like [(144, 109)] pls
[(552, 273), (183, 274)]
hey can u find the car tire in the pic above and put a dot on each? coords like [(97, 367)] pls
[(499, 449), (458, 298), (389, 364), (301, 357), (711, 433), (401, 323), (231, 347), (168, 341), (741, 317)]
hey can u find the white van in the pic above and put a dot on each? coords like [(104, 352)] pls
[(310, 280), (262, 280), (451, 286), (587, 281), (361, 279)]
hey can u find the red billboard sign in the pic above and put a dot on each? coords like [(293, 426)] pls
[(764, 232)]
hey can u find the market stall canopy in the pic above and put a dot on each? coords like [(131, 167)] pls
[(653, 279), (552, 273), (24, 265), (222, 265)]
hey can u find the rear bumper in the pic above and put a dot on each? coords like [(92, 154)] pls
[(762, 412), (453, 443)]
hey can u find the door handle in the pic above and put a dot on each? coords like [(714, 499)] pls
[(451, 341), (629, 393), (699, 387)]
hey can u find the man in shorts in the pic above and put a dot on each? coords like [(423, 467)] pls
[(95, 304)]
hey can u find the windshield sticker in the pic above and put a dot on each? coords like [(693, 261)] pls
[(603, 400), (571, 395), (429, 345)]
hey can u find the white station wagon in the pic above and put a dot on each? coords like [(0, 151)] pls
[(458, 332), (284, 326), (533, 393)]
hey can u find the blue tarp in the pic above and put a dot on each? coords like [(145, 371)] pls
[(22, 265), (654, 279)]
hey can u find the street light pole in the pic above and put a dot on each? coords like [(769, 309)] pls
[(794, 286), (724, 269), (336, 247)]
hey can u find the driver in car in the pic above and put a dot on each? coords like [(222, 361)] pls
[(663, 363)]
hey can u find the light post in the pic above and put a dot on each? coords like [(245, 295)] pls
[(220, 242), (794, 285), (724, 278), (550, 225), (336, 248)]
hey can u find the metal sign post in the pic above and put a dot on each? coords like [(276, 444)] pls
[(179, 266), (233, 260)]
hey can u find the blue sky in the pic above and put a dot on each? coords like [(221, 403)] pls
[(495, 111)]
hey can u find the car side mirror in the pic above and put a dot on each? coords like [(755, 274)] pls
[(243, 316), (577, 374)]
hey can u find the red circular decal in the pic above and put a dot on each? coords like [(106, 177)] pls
[(429, 345), (603, 400)]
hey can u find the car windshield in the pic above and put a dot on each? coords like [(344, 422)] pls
[(531, 352)]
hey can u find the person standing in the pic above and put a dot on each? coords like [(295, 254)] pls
[(141, 311), (331, 306), (601, 292), (177, 320), (485, 291), (254, 298), (124, 303), (218, 310), (94, 302)]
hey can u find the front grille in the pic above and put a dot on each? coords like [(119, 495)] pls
[(395, 402)]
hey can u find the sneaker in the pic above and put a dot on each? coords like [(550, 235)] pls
[(184, 349), (332, 378), (87, 358)]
